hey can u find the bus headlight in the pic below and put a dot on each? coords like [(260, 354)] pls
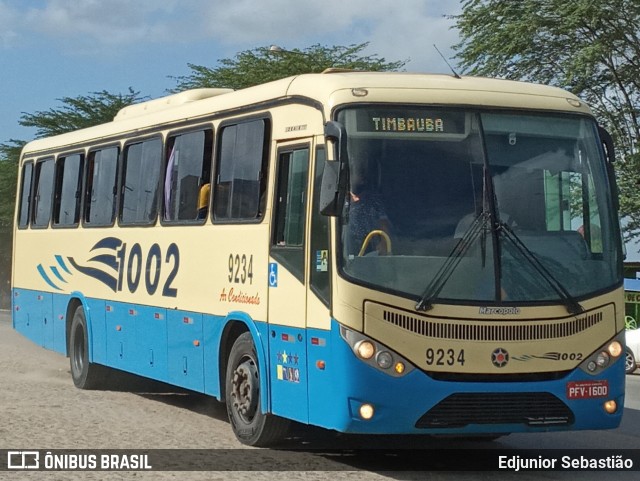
[(603, 359), (605, 356), (615, 349), (365, 349), (375, 354), (384, 359)]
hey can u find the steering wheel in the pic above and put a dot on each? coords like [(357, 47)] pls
[(370, 236)]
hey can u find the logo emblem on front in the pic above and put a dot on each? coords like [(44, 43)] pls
[(500, 357)]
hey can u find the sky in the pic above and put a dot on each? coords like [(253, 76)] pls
[(50, 49)]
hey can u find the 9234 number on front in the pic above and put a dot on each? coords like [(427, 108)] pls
[(444, 357)]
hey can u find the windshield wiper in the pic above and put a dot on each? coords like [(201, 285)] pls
[(572, 306), (444, 273)]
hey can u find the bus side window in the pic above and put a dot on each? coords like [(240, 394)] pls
[(42, 200), (101, 187), (68, 185), (290, 210), (25, 194), (187, 176), (241, 181), (140, 183)]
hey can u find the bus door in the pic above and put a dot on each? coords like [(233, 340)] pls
[(287, 282)]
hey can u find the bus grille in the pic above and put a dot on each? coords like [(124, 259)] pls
[(532, 409), (503, 331)]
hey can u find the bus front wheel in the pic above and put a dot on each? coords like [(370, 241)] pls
[(85, 375), (242, 395)]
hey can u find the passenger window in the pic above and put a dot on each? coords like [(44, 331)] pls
[(25, 194), (291, 198), (290, 210), (187, 177), (140, 183), (241, 176), (66, 211), (100, 202), (43, 192)]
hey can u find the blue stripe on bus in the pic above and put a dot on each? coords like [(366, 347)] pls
[(44, 276), (56, 273), (61, 263)]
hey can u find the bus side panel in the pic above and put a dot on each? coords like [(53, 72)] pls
[(212, 335), (149, 341), (27, 314), (95, 310), (186, 349), (120, 336), (288, 372), (322, 379), (55, 331)]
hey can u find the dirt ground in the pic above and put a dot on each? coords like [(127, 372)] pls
[(41, 409)]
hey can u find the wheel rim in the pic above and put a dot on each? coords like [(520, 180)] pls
[(78, 350), (244, 389)]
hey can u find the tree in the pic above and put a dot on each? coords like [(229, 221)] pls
[(589, 48), (9, 155), (75, 113), (260, 65), (79, 112)]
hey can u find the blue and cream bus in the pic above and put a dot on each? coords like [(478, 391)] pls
[(365, 252)]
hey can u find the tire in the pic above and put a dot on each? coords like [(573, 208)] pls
[(630, 363), (242, 394), (85, 374)]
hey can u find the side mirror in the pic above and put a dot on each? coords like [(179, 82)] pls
[(336, 172)]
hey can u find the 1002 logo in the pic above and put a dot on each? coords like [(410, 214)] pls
[(131, 261)]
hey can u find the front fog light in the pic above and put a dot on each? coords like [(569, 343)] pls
[(384, 359), (603, 359), (366, 411), (610, 406), (591, 366)]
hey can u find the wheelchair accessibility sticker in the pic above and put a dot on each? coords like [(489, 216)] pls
[(273, 274)]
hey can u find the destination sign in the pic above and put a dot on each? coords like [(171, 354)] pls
[(410, 121)]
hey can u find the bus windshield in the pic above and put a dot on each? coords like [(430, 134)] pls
[(495, 206)]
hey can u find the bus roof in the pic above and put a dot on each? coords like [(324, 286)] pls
[(330, 89)]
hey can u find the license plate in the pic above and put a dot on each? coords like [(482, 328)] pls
[(587, 389)]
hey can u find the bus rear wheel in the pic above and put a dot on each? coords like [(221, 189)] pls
[(242, 395), (85, 374)]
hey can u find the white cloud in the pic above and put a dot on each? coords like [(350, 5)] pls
[(103, 22), (396, 29), (8, 23)]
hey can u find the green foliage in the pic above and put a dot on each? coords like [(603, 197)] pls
[(589, 48), (79, 112), (9, 156), (75, 113), (260, 65)]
